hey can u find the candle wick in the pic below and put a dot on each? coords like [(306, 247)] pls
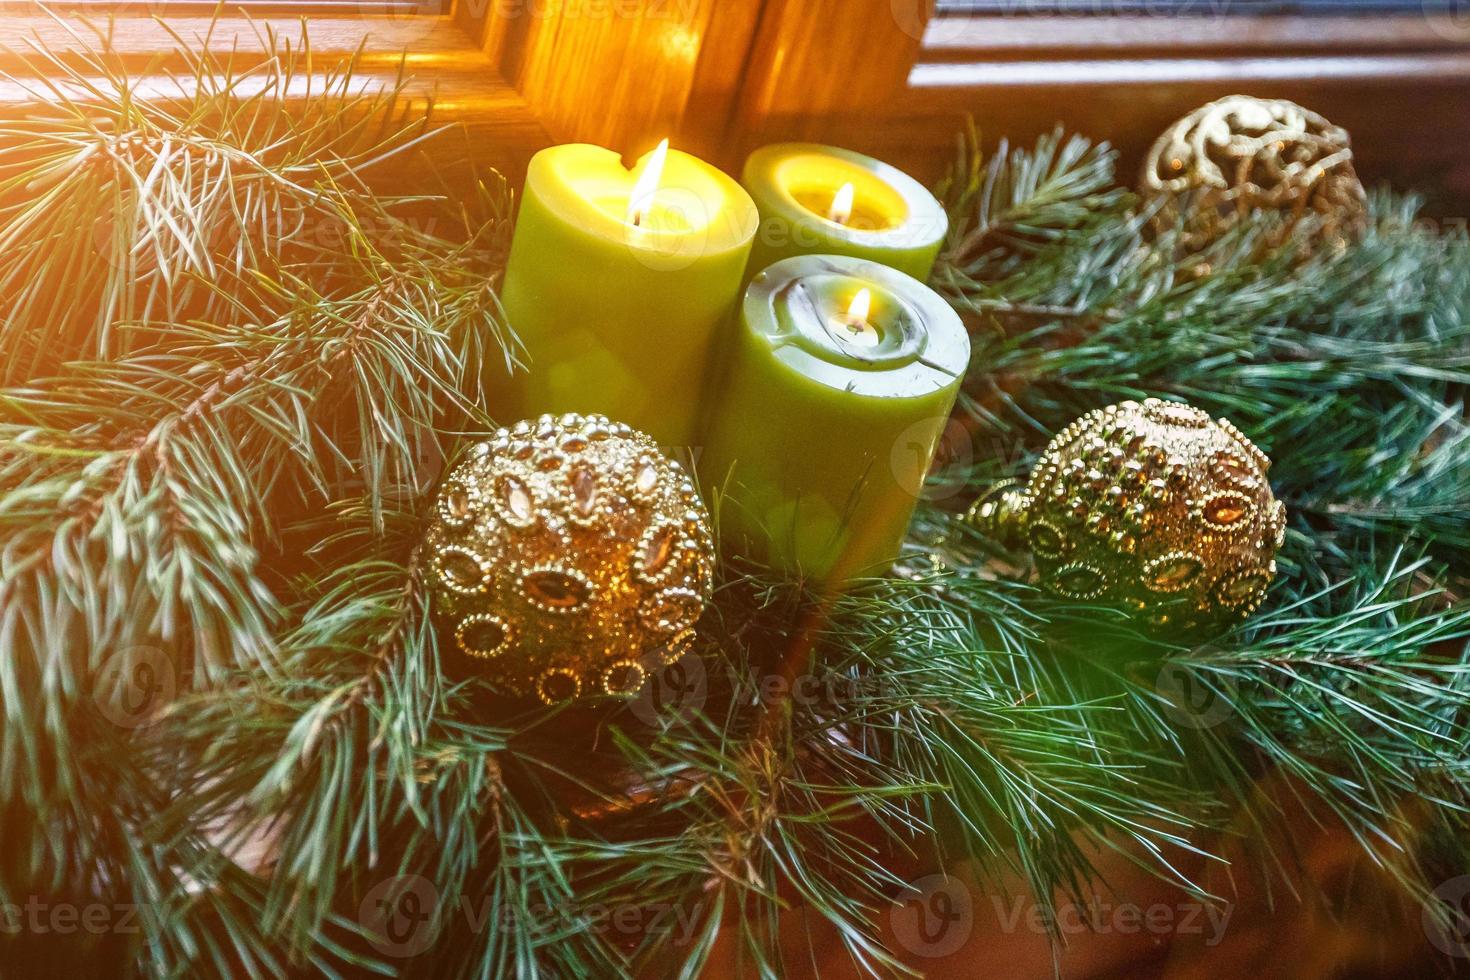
[(842, 201)]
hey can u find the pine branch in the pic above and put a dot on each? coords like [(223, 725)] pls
[(976, 718), (242, 491), (1377, 332), (274, 337), (120, 206), (1361, 701)]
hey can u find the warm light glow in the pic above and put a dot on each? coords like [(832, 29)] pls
[(646, 186), (841, 209), (854, 330)]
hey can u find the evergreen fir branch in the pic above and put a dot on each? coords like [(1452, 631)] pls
[(137, 200), (186, 491), (1023, 200), (775, 811), (1362, 696), (365, 767), (1027, 768), (1377, 332), (773, 801), (143, 495), (160, 530), (1362, 702), (1357, 693)]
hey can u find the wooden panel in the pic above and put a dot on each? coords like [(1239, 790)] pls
[(724, 76), (624, 73), (967, 38), (1407, 113), (1401, 85), (301, 8), (439, 59), (430, 44), (828, 70)]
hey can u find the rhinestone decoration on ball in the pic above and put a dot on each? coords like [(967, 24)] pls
[(571, 557), (1156, 507), (1240, 156)]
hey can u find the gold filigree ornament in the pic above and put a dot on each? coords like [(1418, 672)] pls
[(569, 557), (1155, 507), (1242, 156)]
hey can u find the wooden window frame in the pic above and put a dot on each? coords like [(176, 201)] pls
[(1399, 83), (888, 77), (884, 76), (389, 42)]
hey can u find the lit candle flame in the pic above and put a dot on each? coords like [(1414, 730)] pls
[(841, 209), (853, 328), (641, 200)]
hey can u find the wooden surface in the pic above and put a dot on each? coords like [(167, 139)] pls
[(1401, 85), (1039, 37), (439, 60), (1408, 120), (724, 76), (624, 75), (824, 70), (1338, 917)]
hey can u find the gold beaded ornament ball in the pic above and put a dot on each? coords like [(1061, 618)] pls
[(1155, 507), (570, 557), (1240, 156)]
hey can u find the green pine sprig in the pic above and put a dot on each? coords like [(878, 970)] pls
[(226, 456)]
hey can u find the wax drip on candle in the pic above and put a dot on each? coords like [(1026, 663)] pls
[(644, 189), (841, 210)]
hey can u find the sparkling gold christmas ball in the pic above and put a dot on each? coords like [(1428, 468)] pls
[(1155, 507), (570, 556), (1242, 156)]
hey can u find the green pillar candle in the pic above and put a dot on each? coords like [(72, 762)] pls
[(617, 283), (826, 200), (828, 417)]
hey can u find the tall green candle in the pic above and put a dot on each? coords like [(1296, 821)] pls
[(837, 389), (617, 283), (817, 199)]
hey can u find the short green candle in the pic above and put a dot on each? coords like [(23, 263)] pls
[(817, 199), (828, 415), (617, 285)]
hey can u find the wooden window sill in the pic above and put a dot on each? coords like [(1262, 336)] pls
[(1429, 69), (723, 77), (439, 61), (1112, 36), (976, 52), (1396, 82)]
